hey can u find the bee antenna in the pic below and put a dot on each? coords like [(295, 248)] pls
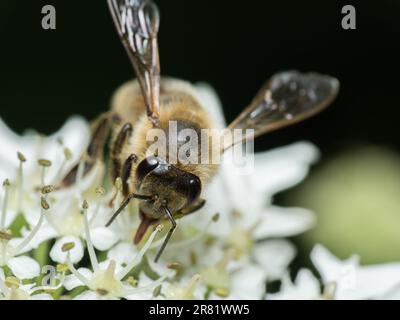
[(170, 232), (125, 203)]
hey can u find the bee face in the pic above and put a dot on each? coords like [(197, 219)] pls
[(169, 186)]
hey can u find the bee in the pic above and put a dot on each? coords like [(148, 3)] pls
[(167, 191)]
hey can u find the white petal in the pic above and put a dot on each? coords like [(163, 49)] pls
[(283, 167), (87, 295), (274, 256), (42, 296), (122, 253), (283, 222), (76, 253), (11, 143), (71, 282), (103, 238), (75, 134), (328, 266), (354, 281), (24, 267), (306, 287), (248, 283), (140, 296)]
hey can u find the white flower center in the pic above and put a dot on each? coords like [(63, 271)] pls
[(105, 282), (241, 241), (176, 292)]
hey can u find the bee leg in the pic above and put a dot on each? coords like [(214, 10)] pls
[(117, 147), (193, 208), (100, 131), (126, 173), (169, 234)]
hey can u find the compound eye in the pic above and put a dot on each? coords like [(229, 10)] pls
[(146, 166), (194, 189)]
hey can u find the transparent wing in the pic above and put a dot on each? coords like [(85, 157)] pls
[(137, 23), (287, 98)]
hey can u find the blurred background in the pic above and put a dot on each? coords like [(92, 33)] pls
[(47, 76)]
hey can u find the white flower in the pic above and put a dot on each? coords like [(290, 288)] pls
[(106, 281), (227, 250), (19, 157), (352, 280), (342, 280), (10, 250), (11, 288), (305, 287)]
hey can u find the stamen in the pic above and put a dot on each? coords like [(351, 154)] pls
[(92, 254), (100, 191), (76, 273), (67, 157), (61, 267), (34, 231), (140, 255), (6, 186), (48, 189), (175, 266), (157, 291), (22, 160), (44, 163), (132, 281), (159, 281), (188, 292)]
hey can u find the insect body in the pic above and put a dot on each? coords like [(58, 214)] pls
[(166, 189)]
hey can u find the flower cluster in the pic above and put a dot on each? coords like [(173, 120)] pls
[(54, 243)]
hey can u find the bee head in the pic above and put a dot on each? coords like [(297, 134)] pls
[(170, 185)]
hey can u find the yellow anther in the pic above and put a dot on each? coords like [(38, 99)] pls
[(132, 281), (44, 162), (43, 202), (100, 191), (157, 291), (21, 157), (102, 292), (222, 292), (48, 189), (67, 154), (68, 246), (85, 205), (62, 267)]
